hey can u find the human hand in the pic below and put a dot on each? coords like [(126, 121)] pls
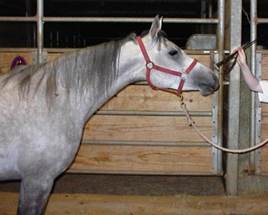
[(241, 59)]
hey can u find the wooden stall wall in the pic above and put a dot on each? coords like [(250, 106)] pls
[(141, 131), (263, 153)]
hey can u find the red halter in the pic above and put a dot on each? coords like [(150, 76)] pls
[(150, 66)]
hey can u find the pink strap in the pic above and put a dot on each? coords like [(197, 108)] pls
[(143, 50), (192, 65), (150, 65), (166, 70), (180, 86), (187, 71)]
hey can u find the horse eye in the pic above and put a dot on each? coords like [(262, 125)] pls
[(173, 52)]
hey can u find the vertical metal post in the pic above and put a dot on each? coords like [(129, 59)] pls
[(40, 29), (29, 29), (220, 28), (234, 23), (203, 7), (216, 126), (210, 9), (253, 36), (220, 47), (258, 111)]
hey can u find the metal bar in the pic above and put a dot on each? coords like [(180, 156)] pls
[(261, 20), (17, 19), (220, 28), (235, 16), (216, 154), (253, 36), (40, 30), (219, 110), (129, 19), (258, 112), (154, 113), (106, 19), (63, 50)]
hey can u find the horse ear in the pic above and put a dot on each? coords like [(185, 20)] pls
[(156, 26)]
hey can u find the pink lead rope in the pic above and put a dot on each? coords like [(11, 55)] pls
[(150, 66)]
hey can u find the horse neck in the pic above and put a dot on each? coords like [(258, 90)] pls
[(129, 68)]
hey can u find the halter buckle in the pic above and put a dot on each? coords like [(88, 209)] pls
[(150, 65), (183, 76)]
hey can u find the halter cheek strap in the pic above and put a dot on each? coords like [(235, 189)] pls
[(150, 66), (187, 71)]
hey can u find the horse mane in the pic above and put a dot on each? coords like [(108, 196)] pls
[(75, 70), (86, 66)]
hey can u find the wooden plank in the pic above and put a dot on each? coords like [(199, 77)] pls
[(264, 161), (264, 107), (53, 56), (145, 128), (204, 59), (143, 98), (264, 151), (82, 204), (143, 159), (264, 66), (264, 127)]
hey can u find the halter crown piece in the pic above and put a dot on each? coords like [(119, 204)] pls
[(150, 66)]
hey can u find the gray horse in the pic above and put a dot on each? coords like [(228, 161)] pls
[(44, 107)]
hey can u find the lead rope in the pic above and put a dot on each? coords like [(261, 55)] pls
[(192, 124)]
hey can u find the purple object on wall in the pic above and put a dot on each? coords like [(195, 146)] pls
[(18, 60)]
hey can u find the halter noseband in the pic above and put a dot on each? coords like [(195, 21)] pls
[(150, 66)]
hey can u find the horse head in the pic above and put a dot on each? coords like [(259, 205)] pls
[(169, 67)]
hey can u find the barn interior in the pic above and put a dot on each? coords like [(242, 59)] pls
[(73, 35), (77, 35)]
